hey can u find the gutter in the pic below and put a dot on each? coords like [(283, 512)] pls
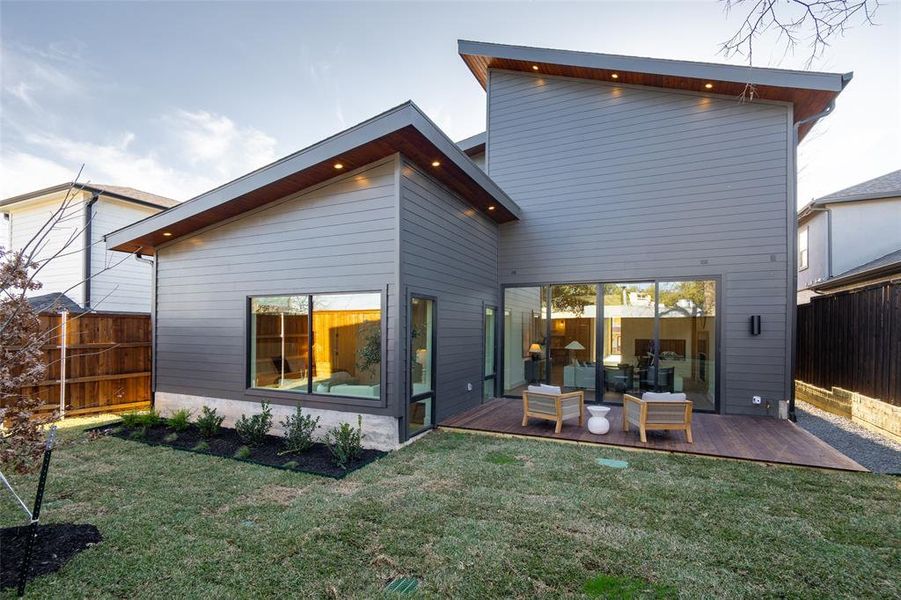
[(793, 310), (88, 219)]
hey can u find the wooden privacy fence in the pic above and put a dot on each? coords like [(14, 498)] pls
[(852, 340), (97, 363)]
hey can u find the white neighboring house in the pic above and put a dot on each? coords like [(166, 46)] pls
[(87, 274), (840, 232)]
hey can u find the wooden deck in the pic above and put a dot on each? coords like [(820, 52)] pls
[(747, 438)]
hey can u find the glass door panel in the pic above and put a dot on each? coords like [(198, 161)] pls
[(573, 340), (687, 345), (490, 349), (629, 339), (525, 338), (421, 408)]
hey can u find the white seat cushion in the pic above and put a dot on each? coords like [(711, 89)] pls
[(657, 396), (544, 389)]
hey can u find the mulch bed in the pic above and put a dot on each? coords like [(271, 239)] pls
[(55, 546), (317, 460)]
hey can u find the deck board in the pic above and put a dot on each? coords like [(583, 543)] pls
[(728, 436)]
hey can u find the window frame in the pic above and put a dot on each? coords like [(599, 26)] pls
[(317, 398), (804, 253)]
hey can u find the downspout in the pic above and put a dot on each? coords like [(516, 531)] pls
[(88, 219), (794, 304)]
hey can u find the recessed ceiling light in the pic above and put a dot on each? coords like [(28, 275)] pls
[(534, 67), (492, 207), (615, 76), (709, 86), (436, 163), (167, 234), (339, 166)]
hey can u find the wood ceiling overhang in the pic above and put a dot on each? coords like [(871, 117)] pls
[(810, 93), (403, 130)]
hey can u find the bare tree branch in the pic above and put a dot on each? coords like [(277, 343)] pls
[(813, 22)]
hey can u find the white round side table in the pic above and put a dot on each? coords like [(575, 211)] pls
[(598, 423)]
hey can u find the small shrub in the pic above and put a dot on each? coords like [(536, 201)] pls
[(253, 431), (138, 434), (180, 419), (209, 422), (170, 438), (201, 446), (131, 420), (345, 442), (291, 464), (299, 430), (243, 453), (150, 418)]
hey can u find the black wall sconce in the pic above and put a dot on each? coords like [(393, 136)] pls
[(755, 324)]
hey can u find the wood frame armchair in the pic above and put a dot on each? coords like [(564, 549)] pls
[(657, 415), (553, 407)]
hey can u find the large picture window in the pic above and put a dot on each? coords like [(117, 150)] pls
[(327, 344)]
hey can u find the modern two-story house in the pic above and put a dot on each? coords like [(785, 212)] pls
[(622, 224), (850, 237), (82, 274)]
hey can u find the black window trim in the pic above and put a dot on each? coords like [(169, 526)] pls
[(318, 399)]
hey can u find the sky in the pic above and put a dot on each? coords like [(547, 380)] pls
[(176, 98)]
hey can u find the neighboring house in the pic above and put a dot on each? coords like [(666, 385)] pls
[(843, 231), (86, 273), (615, 229)]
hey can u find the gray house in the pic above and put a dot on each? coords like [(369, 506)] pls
[(848, 232), (614, 229)]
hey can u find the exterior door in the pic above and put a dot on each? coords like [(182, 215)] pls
[(421, 342)]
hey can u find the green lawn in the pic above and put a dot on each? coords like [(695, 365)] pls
[(470, 517)]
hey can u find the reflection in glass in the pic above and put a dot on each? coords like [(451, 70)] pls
[(687, 315), (573, 340), (525, 338), (280, 342), (347, 344), (422, 358), (629, 340)]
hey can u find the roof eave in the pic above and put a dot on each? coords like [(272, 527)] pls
[(878, 272), (391, 122)]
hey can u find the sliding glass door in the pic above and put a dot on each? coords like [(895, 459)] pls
[(629, 338), (572, 342), (658, 336)]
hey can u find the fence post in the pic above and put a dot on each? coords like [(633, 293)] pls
[(64, 314)]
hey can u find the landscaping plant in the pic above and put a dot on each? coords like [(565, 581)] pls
[(209, 422), (299, 429), (253, 430), (180, 419), (131, 419), (346, 442)]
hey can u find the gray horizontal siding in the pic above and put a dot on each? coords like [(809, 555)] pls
[(449, 251), (624, 183), (338, 237)]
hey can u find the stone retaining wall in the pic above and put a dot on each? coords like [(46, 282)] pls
[(869, 412)]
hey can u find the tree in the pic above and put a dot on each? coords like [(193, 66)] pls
[(814, 22), (22, 338), (21, 365)]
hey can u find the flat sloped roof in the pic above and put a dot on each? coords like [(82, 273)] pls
[(404, 129), (810, 92)]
